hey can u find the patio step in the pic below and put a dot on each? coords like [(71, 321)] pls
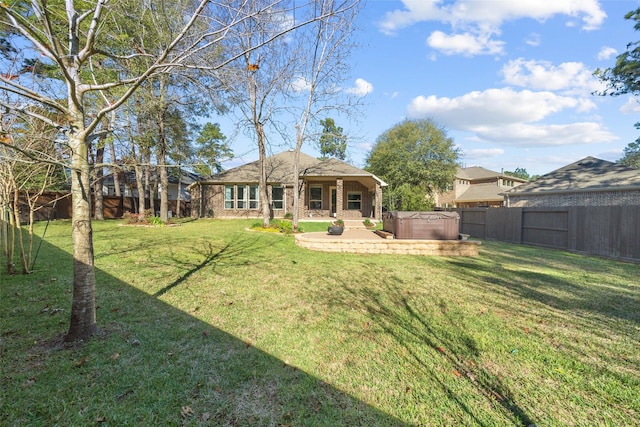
[(355, 224)]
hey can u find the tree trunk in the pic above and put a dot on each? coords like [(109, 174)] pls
[(179, 198), (296, 189), (83, 310), (140, 187), (98, 175), (115, 170), (262, 184), (18, 228), (164, 185), (11, 266), (148, 191)]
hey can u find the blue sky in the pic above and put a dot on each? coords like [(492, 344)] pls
[(510, 81)]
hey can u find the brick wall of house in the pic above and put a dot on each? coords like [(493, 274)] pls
[(208, 202), (366, 200), (594, 198)]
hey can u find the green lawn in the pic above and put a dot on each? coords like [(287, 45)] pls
[(209, 324)]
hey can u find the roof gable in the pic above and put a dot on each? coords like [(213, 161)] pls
[(588, 174)]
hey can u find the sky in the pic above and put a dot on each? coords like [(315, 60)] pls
[(511, 82)]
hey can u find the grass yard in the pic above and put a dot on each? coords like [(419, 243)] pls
[(210, 324)]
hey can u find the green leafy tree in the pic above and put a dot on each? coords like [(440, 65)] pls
[(624, 78), (631, 156), (416, 159), (333, 143), (211, 148), (519, 173)]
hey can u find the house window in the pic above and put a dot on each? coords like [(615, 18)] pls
[(354, 200), (315, 197), (277, 197), (229, 196), (253, 197), (241, 197)]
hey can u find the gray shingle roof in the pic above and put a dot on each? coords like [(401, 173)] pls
[(478, 173), (588, 174), (280, 170), (482, 192)]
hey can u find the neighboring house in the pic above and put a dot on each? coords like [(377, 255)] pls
[(327, 188), (587, 182), (477, 187), (128, 186)]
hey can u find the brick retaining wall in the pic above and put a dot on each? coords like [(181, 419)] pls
[(388, 246)]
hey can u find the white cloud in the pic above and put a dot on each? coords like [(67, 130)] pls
[(300, 84), (365, 146), (606, 53), (490, 13), (529, 135), (570, 78), (533, 39), (466, 44), (493, 107), (632, 106), (361, 88), (482, 153), (510, 117), (476, 22)]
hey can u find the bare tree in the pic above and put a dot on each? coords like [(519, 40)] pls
[(69, 36), (322, 62), (23, 181), (260, 84)]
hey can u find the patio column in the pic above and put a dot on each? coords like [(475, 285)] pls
[(339, 197), (378, 208)]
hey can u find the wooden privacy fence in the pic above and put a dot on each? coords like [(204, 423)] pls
[(113, 207), (609, 231)]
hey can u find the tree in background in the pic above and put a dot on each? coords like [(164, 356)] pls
[(631, 156), (416, 159), (210, 150), (624, 78), (332, 143), (519, 173)]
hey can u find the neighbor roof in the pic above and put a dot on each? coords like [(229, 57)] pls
[(588, 174), (476, 172), (481, 192)]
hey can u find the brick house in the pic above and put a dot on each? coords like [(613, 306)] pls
[(477, 187), (327, 188), (587, 182)]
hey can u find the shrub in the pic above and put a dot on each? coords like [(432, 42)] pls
[(155, 220), (285, 227)]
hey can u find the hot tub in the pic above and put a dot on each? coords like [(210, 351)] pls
[(422, 225)]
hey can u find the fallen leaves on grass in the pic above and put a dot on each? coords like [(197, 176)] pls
[(28, 383), (186, 411)]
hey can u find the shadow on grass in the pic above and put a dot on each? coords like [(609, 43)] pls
[(571, 290), (240, 250), (432, 344), (153, 365)]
